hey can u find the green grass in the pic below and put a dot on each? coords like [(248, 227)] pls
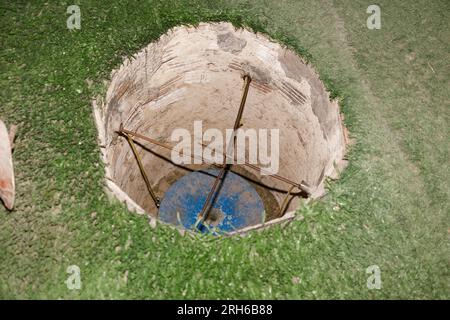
[(390, 208)]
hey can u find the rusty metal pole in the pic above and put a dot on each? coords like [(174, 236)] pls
[(155, 198), (203, 213)]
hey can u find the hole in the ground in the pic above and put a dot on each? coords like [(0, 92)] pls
[(194, 74)]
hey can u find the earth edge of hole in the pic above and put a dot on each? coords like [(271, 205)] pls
[(168, 66)]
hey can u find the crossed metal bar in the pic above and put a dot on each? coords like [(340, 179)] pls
[(225, 167)]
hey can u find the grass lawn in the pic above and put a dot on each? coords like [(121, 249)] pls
[(390, 208)]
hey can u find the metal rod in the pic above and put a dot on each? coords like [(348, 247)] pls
[(302, 185), (138, 135), (203, 213), (144, 174), (237, 122), (285, 201)]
